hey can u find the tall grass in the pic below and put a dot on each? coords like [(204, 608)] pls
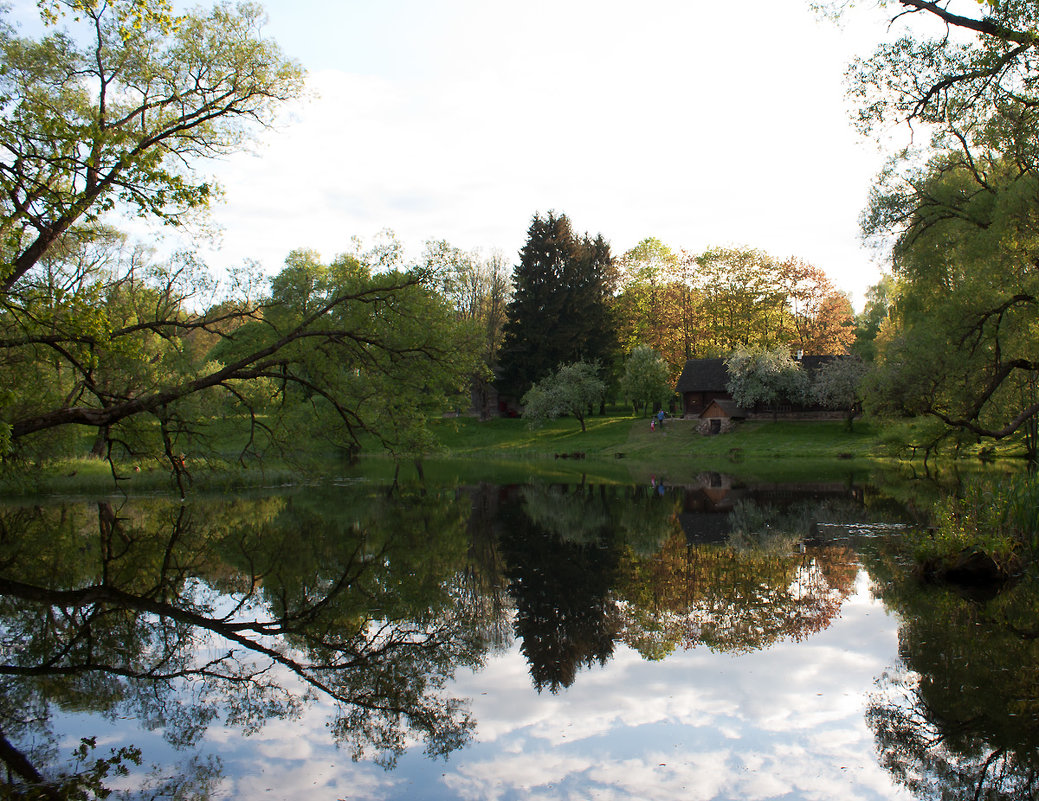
[(999, 516)]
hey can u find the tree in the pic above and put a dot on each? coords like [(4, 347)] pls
[(838, 385), (962, 216), (335, 348), (111, 117), (964, 337), (560, 310), (477, 287), (822, 317), (646, 380), (574, 389), (750, 299), (971, 78), (765, 377), (868, 324)]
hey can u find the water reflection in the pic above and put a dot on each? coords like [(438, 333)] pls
[(177, 616), (959, 716), (365, 606)]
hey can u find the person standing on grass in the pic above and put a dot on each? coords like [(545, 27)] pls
[(660, 419)]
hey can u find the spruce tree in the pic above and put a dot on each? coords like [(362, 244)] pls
[(561, 306)]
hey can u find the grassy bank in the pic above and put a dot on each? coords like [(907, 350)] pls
[(613, 448), (625, 437)]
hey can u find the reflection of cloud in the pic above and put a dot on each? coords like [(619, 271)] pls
[(786, 722), (295, 759), (490, 780)]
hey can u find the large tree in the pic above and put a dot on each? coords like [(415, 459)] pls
[(112, 114), (110, 118), (561, 306), (963, 214), (477, 286), (751, 299), (333, 347)]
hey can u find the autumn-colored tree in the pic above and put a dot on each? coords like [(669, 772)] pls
[(729, 599), (822, 317)]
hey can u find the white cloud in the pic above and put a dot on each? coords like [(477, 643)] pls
[(687, 122)]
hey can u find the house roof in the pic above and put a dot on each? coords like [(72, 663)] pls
[(703, 375), (710, 375)]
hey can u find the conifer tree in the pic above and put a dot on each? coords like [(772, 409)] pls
[(561, 309)]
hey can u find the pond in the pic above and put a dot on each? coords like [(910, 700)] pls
[(721, 639)]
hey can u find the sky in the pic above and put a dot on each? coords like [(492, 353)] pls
[(700, 124)]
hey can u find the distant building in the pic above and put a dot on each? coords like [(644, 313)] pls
[(702, 386)]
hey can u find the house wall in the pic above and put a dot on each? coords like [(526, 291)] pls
[(696, 402), (791, 415)]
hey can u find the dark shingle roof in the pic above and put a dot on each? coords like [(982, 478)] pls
[(710, 375), (703, 375)]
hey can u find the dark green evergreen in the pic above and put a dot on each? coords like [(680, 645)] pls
[(561, 307)]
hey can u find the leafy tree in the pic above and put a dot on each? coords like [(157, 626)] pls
[(963, 332), (658, 303), (749, 299), (962, 216), (821, 316), (335, 348), (477, 287), (112, 115), (838, 384), (765, 377), (646, 380), (744, 305), (879, 299), (574, 389), (561, 305)]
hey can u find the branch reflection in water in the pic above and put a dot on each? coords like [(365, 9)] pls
[(177, 615), (233, 614)]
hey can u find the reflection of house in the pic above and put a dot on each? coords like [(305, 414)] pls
[(702, 386), (708, 507)]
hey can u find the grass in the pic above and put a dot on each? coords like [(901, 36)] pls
[(614, 448), (628, 437)]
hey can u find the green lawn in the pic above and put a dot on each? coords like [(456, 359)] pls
[(615, 448), (632, 438)]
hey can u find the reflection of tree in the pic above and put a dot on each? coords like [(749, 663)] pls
[(730, 599), (244, 603), (959, 719), (561, 586)]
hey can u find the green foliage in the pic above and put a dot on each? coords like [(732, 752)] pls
[(839, 385), (962, 336), (961, 341), (560, 310), (765, 377), (111, 117), (574, 389), (997, 517), (646, 381)]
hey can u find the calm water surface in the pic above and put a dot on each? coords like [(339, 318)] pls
[(711, 641)]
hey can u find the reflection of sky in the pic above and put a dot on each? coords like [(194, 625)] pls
[(786, 723)]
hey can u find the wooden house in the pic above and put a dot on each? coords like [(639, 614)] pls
[(702, 386)]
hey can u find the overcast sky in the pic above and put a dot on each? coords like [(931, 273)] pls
[(701, 124)]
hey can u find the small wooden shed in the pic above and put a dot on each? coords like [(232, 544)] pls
[(720, 410)]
